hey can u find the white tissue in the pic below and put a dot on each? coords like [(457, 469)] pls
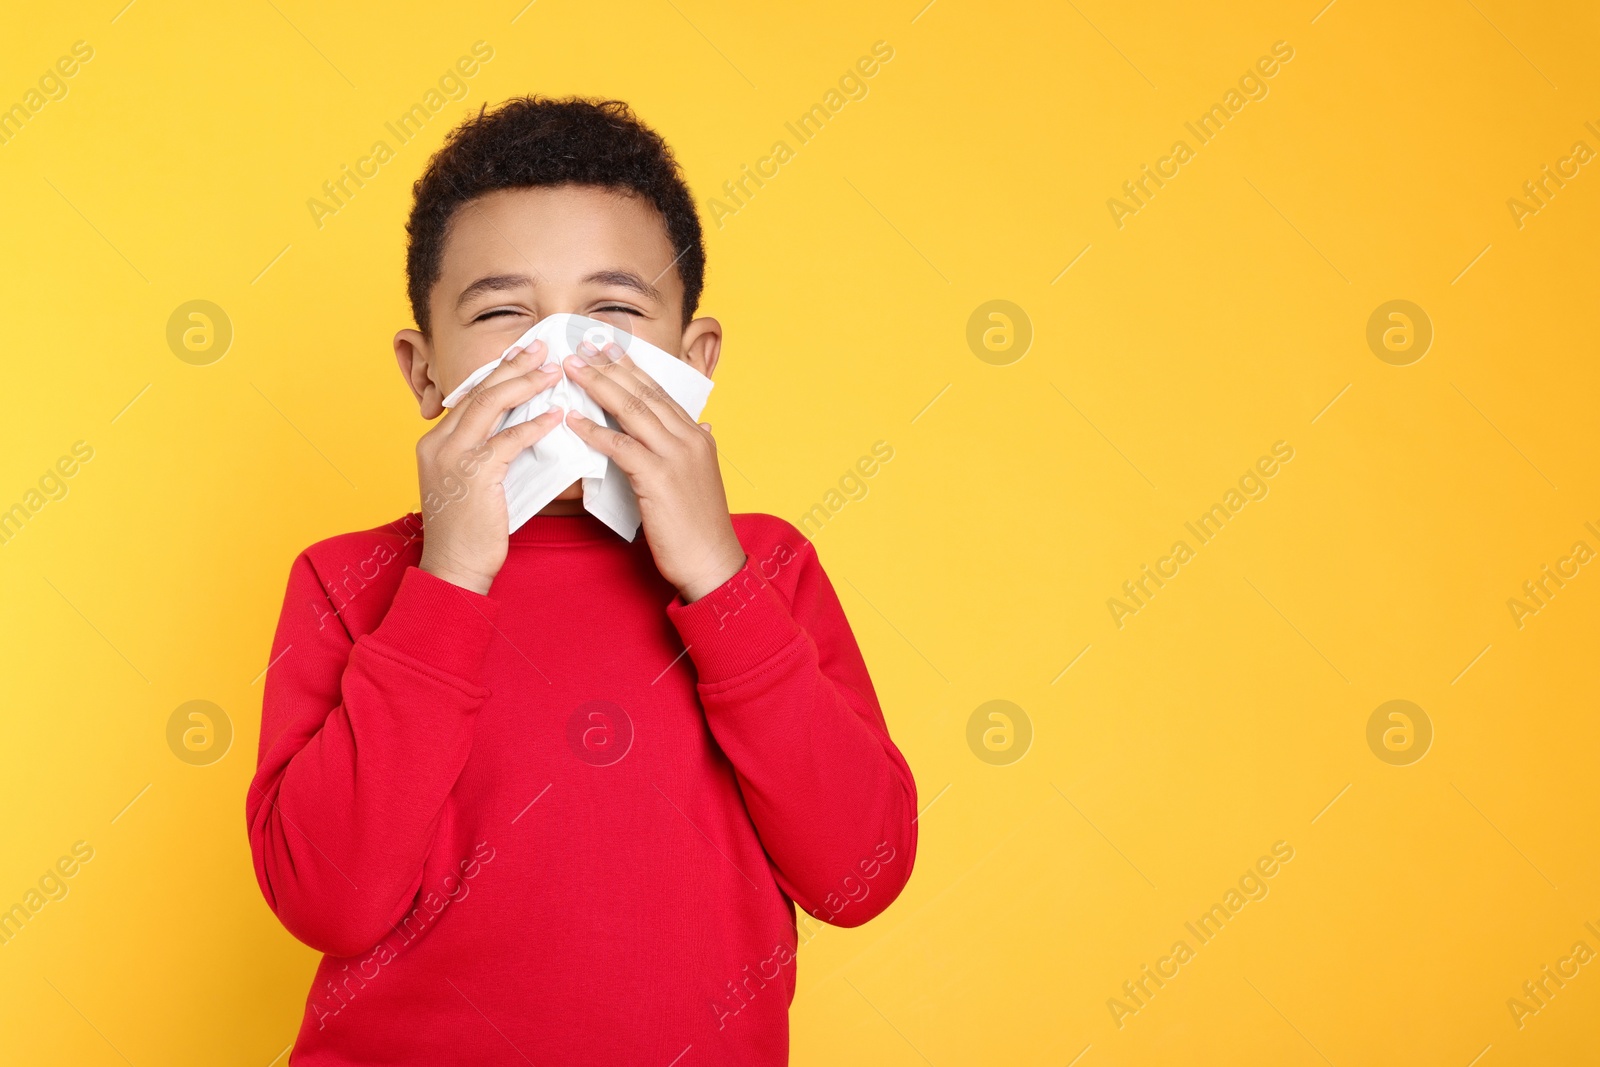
[(538, 474)]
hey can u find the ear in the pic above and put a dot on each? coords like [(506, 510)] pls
[(702, 345), (415, 356)]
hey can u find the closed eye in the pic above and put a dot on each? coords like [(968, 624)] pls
[(496, 312), (619, 307)]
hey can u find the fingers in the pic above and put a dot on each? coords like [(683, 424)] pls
[(650, 391), (617, 384), (512, 440), (481, 413), (516, 364), (620, 448)]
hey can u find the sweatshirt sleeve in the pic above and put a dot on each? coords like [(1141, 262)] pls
[(361, 744), (788, 698)]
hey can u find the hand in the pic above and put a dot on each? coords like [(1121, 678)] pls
[(671, 461), (461, 471)]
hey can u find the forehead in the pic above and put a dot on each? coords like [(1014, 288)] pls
[(562, 232)]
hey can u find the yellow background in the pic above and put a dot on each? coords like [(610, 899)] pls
[(1226, 315)]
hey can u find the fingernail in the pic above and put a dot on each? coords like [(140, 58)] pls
[(594, 356), (573, 363), (516, 354)]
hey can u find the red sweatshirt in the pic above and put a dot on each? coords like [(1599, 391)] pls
[(567, 822)]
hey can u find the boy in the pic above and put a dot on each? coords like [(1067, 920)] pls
[(551, 798)]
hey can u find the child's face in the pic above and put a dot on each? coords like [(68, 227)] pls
[(514, 256)]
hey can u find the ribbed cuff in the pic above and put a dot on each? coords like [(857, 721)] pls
[(439, 624), (736, 627)]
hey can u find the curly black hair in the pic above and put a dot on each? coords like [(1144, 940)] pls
[(536, 141)]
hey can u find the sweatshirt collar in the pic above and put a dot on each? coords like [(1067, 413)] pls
[(563, 530), (541, 529)]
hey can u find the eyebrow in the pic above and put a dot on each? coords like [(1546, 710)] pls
[(625, 279), (493, 283)]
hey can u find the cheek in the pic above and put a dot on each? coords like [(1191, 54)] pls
[(455, 358), (663, 333)]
